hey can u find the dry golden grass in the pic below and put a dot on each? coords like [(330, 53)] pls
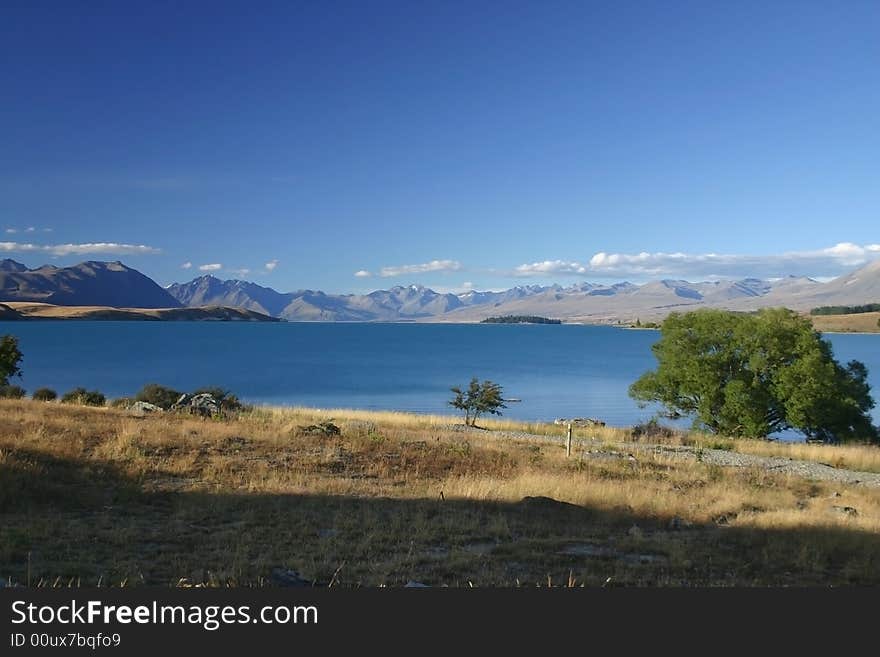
[(421, 421), (95, 493), (858, 323)]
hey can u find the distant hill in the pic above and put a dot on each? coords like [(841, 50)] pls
[(211, 291), (858, 287), (86, 284)]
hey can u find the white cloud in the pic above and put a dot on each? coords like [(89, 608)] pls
[(831, 261), (216, 266), (240, 272), (270, 266), (29, 229), (186, 265), (433, 266), (102, 248), (550, 267), (363, 273)]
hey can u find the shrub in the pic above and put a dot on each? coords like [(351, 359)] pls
[(651, 429), (161, 396), (326, 429), (122, 402), (44, 394), (10, 391), (84, 397)]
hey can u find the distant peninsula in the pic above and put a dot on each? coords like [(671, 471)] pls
[(520, 319), (23, 310)]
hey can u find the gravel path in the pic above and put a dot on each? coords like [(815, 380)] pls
[(725, 458), (780, 464)]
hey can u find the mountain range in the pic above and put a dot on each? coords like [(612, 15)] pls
[(114, 284), (581, 302)]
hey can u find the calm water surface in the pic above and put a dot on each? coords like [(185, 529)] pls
[(557, 371)]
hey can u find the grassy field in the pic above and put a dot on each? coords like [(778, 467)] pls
[(859, 323), (92, 495)]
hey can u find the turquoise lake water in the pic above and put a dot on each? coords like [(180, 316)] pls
[(557, 371)]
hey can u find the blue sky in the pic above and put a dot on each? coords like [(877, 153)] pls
[(447, 144)]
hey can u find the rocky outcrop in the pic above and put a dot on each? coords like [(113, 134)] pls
[(580, 421), (144, 408), (204, 405)]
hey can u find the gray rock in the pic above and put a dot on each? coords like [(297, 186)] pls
[(412, 584), (287, 578), (588, 550), (144, 408), (203, 404), (846, 511), (580, 421), (643, 558)]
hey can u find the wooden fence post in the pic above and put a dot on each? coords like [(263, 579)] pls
[(568, 441)]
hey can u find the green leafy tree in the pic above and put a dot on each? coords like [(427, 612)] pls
[(10, 357), (477, 399), (755, 374)]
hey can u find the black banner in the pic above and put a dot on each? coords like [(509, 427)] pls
[(131, 621)]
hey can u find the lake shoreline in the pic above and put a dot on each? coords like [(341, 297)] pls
[(581, 371)]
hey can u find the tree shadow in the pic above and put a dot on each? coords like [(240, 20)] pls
[(65, 521)]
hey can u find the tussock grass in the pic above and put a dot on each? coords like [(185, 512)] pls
[(95, 494)]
